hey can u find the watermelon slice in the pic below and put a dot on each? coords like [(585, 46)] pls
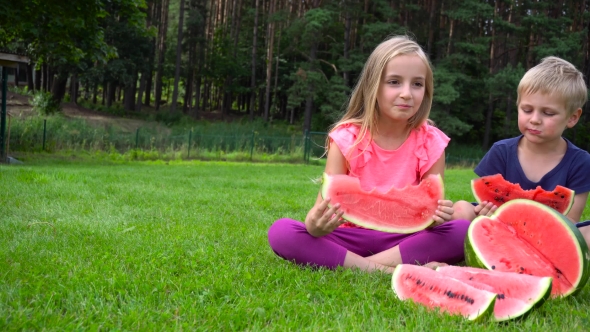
[(494, 188), (405, 210), (516, 293), (435, 290), (528, 237)]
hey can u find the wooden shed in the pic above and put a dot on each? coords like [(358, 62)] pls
[(7, 60)]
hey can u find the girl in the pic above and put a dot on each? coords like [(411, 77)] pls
[(384, 139)]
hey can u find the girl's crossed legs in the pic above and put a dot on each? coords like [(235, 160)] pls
[(368, 249)]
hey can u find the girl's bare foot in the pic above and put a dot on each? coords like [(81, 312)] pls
[(434, 265)]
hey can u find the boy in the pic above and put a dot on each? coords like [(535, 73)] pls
[(550, 99)]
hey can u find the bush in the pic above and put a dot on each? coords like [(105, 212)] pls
[(44, 104)]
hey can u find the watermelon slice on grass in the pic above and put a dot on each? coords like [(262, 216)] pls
[(405, 210), (494, 188), (435, 290), (528, 237), (516, 293)]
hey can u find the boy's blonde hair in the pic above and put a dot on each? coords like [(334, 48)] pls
[(556, 76), (362, 107)]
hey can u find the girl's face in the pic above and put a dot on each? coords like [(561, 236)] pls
[(401, 89)]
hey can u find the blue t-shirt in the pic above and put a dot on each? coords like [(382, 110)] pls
[(572, 172)]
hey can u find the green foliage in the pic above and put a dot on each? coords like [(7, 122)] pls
[(335, 100), (478, 49), (44, 104)]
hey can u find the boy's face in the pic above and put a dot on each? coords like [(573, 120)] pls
[(543, 117)]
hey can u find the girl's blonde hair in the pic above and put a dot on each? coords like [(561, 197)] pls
[(362, 106)]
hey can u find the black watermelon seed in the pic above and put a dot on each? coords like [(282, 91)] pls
[(493, 267)]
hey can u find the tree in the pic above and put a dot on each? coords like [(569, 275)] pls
[(178, 57)]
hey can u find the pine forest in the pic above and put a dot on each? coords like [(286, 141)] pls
[(293, 61)]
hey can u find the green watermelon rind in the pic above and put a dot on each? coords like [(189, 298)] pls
[(471, 253), (437, 178), (479, 199), (544, 284), (486, 315)]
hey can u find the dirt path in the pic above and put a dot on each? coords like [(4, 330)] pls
[(20, 106)]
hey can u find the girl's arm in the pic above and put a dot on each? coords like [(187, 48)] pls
[(437, 168), (579, 203), (322, 220), (445, 207)]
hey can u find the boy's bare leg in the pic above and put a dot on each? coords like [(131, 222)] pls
[(586, 233), (463, 210)]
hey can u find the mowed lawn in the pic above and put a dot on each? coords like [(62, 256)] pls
[(183, 246)]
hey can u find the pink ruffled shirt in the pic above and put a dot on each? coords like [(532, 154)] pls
[(379, 168)]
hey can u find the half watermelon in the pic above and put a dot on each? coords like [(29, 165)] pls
[(528, 237), (405, 210), (516, 293), (435, 290), (495, 189)]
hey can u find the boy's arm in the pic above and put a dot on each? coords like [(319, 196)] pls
[(578, 208)]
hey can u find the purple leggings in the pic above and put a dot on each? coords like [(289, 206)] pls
[(290, 240)]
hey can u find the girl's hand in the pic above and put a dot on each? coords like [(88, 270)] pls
[(444, 212), (322, 220), (485, 209)]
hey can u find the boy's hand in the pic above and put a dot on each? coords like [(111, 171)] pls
[(444, 212), (322, 220), (485, 209)]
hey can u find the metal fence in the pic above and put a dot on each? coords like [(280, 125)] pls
[(55, 136), (43, 135)]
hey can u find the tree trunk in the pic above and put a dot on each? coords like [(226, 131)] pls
[(253, 78), (130, 91), (58, 88), (16, 75), (491, 71), (162, 29), (450, 37), (270, 34), (73, 90), (142, 83), (153, 15), (45, 77), (38, 75), (111, 94), (178, 57), (508, 118), (95, 93), (30, 83), (309, 98), (431, 27), (346, 52)]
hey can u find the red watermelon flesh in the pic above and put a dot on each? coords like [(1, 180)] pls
[(517, 293), (435, 290), (405, 210), (494, 188), (529, 238)]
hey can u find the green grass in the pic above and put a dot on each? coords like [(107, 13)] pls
[(180, 245)]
